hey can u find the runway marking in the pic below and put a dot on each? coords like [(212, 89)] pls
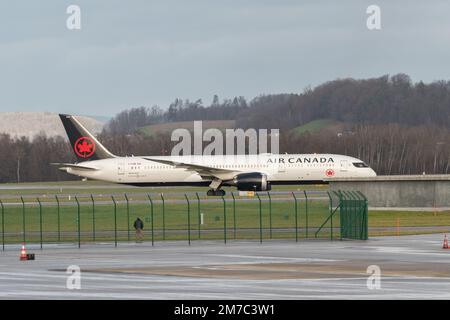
[(88, 275), (273, 258), (46, 277), (341, 288), (405, 250)]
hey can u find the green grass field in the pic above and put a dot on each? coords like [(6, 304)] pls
[(172, 223), (174, 220), (317, 125), (64, 189)]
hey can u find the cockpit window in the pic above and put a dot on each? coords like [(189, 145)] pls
[(360, 165)]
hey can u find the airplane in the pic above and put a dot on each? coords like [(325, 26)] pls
[(245, 172)]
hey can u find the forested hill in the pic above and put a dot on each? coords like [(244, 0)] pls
[(373, 101), (395, 125), (385, 100)]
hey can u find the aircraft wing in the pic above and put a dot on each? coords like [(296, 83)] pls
[(63, 166), (204, 171)]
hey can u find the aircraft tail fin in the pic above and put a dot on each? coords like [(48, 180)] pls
[(84, 144)]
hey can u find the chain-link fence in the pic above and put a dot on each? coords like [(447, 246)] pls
[(88, 218)]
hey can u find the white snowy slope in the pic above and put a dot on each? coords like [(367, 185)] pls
[(30, 124)]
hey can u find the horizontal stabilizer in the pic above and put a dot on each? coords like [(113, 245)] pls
[(63, 166)]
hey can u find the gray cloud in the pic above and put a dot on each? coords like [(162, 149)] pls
[(149, 52)]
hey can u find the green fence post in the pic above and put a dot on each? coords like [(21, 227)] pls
[(224, 220), (296, 216), (340, 205), (93, 218), (356, 210), (234, 214), (355, 213), (3, 225), (366, 215), (79, 222), (163, 216), (260, 218), (23, 220), (306, 208), (331, 215), (359, 209), (128, 215), (188, 218), (364, 222), (115, 221), (270, 213), (352, 214), (343, 214), (198, 213), (40, 221), (59, 218), (362, 210), (151, 217), (347, 211)]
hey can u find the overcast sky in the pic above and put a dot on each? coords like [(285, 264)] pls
[(134, 53)]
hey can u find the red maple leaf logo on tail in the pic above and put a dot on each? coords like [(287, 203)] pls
[(84, 147)]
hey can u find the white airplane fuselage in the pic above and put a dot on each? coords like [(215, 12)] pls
[(279, 169)]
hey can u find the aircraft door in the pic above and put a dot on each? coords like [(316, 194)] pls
[(344, 165), (121, 169), (281, 167)]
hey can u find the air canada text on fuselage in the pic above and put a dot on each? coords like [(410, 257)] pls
[(300, 160)]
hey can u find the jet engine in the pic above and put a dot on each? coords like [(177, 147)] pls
[(253, 181)]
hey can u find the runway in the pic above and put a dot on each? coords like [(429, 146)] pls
[(412, 267)]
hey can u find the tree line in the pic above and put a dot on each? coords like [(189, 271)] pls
[(387, 148), (383, 100), (396, 126), (128, 121), (388, 99), (25, 160)]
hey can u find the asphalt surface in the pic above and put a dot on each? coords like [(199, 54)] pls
[(412, 267)]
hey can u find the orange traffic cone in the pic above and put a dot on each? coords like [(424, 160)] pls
[(445, 245), (23, 253)]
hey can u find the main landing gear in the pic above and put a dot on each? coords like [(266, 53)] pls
[(215, 193)]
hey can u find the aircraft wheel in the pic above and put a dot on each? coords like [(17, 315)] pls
[(215, 193)]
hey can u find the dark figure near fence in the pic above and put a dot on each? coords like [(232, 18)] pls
[(139, 226)]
